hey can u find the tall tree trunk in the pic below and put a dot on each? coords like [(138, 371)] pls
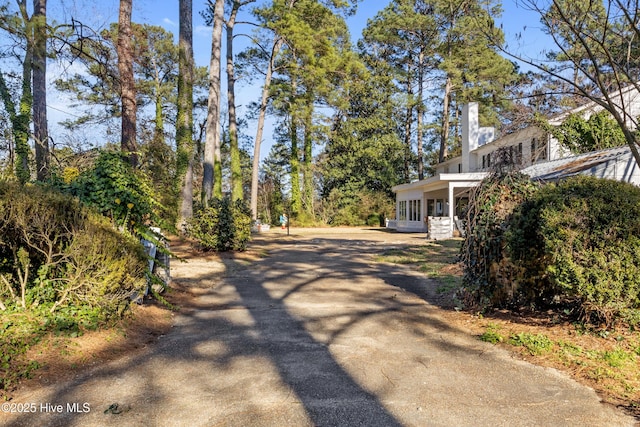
[(407, 132), (40, 127), (19, 123), (444, 133), (307, 156), (21, 116), (294, 158), (22, 121), (158, 131), (294, 161), (212, 173), (420, 112), (128, 142), (236, 168), (184, 123), (264, 100)]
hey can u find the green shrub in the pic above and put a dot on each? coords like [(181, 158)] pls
[(375, 220), (117, 191), (356, 207), (580, 241), (222, 226), (63, 269), (56, 253)]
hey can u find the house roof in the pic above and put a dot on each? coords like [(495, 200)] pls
[(574, 165), (594, 106), (442, 179)]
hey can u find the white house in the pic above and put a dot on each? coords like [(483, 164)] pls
[(433, 205)]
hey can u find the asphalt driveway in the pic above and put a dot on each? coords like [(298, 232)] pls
[(315, 334)]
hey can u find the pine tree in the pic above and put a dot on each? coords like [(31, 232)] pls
[(184, 121)]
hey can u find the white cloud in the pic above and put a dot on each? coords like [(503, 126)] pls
[(169, 22), (203, 30)]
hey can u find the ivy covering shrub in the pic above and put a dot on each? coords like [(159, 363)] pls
[(580, 135), (579, 242), (222, 226), (117, 191), (489, 275)]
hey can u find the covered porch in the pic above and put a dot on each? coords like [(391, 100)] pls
[(431, 205)]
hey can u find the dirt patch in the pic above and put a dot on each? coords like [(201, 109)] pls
[(61, 357), (607, 380)]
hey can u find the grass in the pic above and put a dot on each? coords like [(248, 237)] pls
[(536, 344), (606, 360), (435, 259), (18, 332), (21, 330)]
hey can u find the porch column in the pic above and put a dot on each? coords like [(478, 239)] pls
[(452, 207)]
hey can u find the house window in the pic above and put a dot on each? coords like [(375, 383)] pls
[(415, 210), (402, 210), (538, 151), (515, 154), (431, 207)]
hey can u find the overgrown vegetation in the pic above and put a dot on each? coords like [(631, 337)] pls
[(573, 246), (488, 272), (356, 207), (63, 268), (224, 225), (578, 243), (581, 135), (117, 191)]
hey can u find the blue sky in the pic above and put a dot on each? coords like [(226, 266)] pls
[(166, 15), (515, 19)]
